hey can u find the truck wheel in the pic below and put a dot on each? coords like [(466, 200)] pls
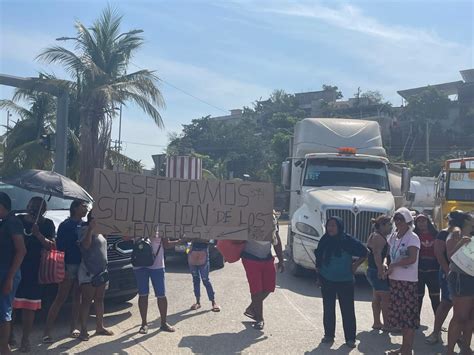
[(295, 269)]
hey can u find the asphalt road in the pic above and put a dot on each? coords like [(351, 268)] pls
[(293, 321)]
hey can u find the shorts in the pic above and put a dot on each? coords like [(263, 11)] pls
[(460, 285), (443, 283), (6, 301), (261, 275), (72, 271), (143, 276), (377, 284)]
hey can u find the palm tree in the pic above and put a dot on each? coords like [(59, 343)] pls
[(98, 66), (22, 147)]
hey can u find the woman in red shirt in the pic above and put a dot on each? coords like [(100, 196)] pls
[(428, 266)]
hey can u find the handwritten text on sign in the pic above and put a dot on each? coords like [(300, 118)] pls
[(138, 205)]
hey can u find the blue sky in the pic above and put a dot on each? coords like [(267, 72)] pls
[(231, 53)]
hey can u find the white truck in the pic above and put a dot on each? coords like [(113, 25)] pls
[(338, 167)]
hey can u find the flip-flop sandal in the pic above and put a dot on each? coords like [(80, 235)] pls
[(75, 333), (105, 332), (195, 307), (167, 328), (47, 339), (143, 329), (12, 342), (250, 315), (216, 308), (259, 325)]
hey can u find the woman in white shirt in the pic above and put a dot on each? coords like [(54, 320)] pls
[(404, 246)]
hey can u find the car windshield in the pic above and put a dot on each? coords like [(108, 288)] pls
[(325, 172), (461, 186), (20, 198)]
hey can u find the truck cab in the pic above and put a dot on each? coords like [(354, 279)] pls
[(454, 189), (339, 168)]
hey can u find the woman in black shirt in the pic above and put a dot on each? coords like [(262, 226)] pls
[(39, 234)]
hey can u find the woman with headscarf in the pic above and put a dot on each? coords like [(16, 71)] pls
[(428, 266), (335, 267), (404, 245)]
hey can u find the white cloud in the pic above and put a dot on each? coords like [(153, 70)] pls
[(351, 18)]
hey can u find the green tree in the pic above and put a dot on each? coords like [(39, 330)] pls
[(98, 67), (23, 149), (424, 112)]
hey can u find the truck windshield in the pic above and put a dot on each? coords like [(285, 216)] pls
[(460, 186), (368, 174), (20, 198)]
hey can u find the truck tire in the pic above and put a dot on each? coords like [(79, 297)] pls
[(295, 269)]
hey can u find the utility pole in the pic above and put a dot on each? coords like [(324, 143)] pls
[(8, 126), (427, 129)]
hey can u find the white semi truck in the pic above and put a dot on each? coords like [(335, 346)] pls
[(338, 167)]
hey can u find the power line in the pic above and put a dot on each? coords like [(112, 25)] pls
[(185, 92), (145, 144)]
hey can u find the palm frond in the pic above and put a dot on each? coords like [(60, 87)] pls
[(145, 105), (10, 105)]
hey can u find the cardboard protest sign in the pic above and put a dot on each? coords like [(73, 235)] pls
[(464, 258), (139, 205)]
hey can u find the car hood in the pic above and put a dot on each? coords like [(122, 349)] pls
[(348, 197)]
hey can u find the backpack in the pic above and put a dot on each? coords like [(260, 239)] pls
[(142, 254)]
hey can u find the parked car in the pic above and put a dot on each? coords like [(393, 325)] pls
[(122, 285)]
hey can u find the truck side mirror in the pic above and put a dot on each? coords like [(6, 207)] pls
[(405, 181), (286, 174)]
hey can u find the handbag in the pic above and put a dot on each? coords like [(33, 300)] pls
[(142, 253), (230, 249), (197, 257), (51, 269), (100, 279)]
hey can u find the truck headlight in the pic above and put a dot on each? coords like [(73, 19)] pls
[(306, 229)]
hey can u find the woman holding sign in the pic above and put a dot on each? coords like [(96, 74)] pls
[(461, 288)]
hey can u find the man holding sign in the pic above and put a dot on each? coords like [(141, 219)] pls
[(461, 285)]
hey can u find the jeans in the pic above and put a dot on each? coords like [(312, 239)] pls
[(202, 272), (344, 291)]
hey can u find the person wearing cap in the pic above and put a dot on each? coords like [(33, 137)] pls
[(378, 247), (402, 271), (455, 219), (428, 266), (461, 288), (335, 268), (67, 241), (12, 252)]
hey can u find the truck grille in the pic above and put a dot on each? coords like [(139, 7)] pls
[(356, 224), (118, 249)]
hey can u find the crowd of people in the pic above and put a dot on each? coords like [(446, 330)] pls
[(405, 254)]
